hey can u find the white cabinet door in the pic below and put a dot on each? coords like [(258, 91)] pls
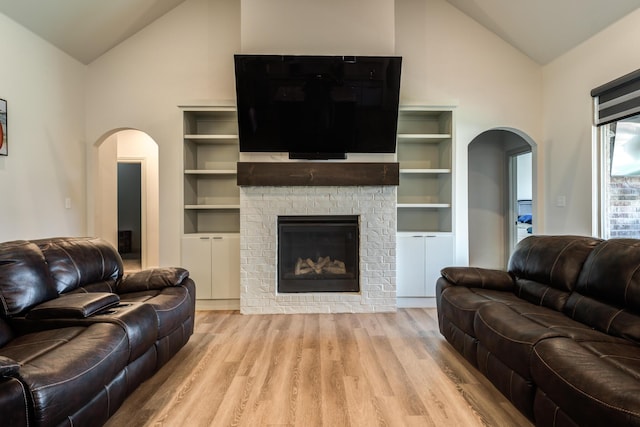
[(419, 261), (410, 266), (225, 267), (213, 262), (196, 257), (439, 254)]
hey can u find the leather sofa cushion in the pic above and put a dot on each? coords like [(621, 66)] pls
[(139, 321), (73, 362), (6, 334), (172, 306), (509, 335), (459, 304), (518, 390), (547, 413), (540, 294), (595, 383), (551, 260), (152, 279), (24, 278), (484, 278), (511, 332), (8, 367), (13, 401), (604, 317), (611, 274), (77, 261), (607, 294), (76, 306)]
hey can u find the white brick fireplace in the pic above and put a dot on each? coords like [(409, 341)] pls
[(260, 207)]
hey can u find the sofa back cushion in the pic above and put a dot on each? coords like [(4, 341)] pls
[(547, 268), (607, 294), (76, 262), (24, 277), (6, 334)]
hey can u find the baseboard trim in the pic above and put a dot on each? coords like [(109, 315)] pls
[(217, 304), (416, 302)]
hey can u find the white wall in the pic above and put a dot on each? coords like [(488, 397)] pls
[(44, 89), (487, 189), (448, 59), (184, 57), (328, 27), (567, 116), (452, 60)]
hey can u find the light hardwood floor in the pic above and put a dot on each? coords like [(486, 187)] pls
[(391, 369)]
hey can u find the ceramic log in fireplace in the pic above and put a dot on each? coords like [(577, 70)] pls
[(318, 254)]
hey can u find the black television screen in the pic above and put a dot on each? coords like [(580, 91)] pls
[(317, 106)]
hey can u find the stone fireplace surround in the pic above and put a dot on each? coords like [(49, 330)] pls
[(260, 207)]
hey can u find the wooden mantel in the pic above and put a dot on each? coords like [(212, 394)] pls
[(278, 174)]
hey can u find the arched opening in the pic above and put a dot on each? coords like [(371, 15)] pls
[(127, 146), (494, 204)]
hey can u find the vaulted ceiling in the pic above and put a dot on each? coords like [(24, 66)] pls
[(542, 29), (86, 29)]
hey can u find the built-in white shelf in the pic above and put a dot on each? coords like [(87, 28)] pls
[(425, 146), (433, 171), (210, 172), (213, 138)]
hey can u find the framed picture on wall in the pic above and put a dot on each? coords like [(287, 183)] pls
[(3, 128)]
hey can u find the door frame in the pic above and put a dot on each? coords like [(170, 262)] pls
[(512, 196), (142, 161), (117, 144)]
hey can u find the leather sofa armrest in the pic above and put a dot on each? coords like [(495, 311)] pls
[(8, 367), (473, 277), (152, 278), (73, 306)]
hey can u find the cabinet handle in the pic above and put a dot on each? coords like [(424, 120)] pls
[(217, 238), (204, 238)]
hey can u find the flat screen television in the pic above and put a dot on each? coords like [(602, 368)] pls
[(317, 107)]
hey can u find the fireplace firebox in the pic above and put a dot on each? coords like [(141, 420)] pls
[(318, 253)]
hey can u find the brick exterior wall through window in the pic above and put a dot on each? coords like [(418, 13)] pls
[(624, 207)]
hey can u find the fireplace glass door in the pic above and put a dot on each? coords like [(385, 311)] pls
[(318, 254)]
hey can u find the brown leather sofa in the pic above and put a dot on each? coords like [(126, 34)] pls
[(558, 333), (76, 335)]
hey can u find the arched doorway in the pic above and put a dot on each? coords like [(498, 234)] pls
[(127, 146), (493, 202)]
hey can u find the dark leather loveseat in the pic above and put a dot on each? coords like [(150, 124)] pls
[(76, 336), (559, 333)]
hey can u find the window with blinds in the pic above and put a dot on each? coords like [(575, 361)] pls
[(617, 99)]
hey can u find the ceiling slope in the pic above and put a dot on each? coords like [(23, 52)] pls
[(86, 29), (545, 29), (541, 29)]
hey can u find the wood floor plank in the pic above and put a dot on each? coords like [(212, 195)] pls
[(281, 383), (382, 369), (309, 400), (348, 347), (431, 385), (361, 404), (333, 394), (372, 367), (399, 378)]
